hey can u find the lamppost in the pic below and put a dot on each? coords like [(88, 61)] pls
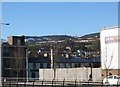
[(1, 52), (5, 23)]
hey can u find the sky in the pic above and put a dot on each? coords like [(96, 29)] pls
[(57, 18)]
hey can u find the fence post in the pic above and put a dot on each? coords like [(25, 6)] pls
[(17, 84), (42, 82), (52, 82), (33, 84), (3, 83), (25, 84), (63, 82), (102, 83), (75, 82), (10, 84), (88, 84)]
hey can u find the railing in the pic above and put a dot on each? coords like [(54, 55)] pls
[(11, 82)]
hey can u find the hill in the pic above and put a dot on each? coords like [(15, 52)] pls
[(91, 35), (57, 37), (47, 38)]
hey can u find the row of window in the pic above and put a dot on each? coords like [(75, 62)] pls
[(33, 68), (56, 65)]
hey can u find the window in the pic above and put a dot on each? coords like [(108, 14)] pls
[(68, 65), (76, 65), (18, 42), (115, 77), (30, 65), (6, 51), (44, 65), (41, 65), (62, 65), (73, 65), (110, 77), (37, 65), (56, 65), (48, 65)]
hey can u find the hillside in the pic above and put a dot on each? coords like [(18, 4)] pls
[(57, 37), (48, 38), (38, 45), (91, 35)]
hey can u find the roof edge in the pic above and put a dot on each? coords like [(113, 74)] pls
[(106, 28)]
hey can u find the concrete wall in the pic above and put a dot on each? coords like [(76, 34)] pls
[(70, 74)]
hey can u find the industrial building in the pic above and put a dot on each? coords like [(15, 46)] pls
[(110, 45), (14, 58), (34, 64)]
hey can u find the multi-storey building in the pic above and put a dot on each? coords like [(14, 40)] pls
[(14, 58), (110, 46)]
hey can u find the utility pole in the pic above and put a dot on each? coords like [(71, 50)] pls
[(53, 61), (51, 58), (1, 51), (27, 64)]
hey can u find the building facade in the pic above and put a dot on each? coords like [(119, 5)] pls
[(110, 45), (34, 64), (14, 58)]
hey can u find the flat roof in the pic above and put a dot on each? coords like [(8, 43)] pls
[(106, 28)]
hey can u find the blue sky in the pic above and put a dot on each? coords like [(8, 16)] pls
[(57, 18)]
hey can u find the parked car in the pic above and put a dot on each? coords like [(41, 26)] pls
[(112, 80)]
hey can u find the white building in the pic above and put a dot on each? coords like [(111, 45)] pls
[(110, 45)]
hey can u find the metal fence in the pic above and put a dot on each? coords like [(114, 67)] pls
[(53, 83)]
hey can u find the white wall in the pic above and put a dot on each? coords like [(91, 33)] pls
[(109, 48), (70, 74), (119, 47)]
